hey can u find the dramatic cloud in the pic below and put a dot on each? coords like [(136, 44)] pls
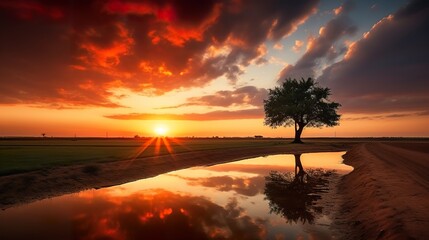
[(215, 115), (77, 52), (248, 95), (386, 70), (322, 46)]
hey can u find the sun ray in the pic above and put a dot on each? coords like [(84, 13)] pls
[(157, 147), (139, 151), (168, 147), (143, 147)]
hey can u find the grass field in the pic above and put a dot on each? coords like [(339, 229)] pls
[(19, 155), (22, 155)]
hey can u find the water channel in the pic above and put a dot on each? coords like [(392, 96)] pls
[(260, 198)]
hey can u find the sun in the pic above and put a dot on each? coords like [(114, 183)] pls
[(161, 130)]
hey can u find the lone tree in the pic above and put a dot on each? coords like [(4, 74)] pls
[(301, 103)]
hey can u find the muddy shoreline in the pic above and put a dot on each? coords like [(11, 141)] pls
[(386, 195)]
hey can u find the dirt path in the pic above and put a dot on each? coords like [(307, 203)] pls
[(387, 194)]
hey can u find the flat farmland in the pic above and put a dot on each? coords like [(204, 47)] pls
[(22, 155)]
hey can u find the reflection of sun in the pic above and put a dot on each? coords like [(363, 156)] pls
[(161, 130)]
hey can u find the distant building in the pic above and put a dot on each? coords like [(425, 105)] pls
[(259, 136)]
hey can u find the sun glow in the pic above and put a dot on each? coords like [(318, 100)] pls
[(161, 130)]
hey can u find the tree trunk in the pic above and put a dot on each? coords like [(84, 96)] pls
[(298, 165), (298, 131), (299, 175)]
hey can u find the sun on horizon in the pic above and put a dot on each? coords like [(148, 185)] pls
[(161, 130)]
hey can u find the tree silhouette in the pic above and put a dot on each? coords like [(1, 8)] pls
[(293, 196), (43, 134), (301, 103)]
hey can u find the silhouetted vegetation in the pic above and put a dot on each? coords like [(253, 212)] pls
[(293, 195), (301, 103)]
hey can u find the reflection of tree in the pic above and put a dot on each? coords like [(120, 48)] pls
[(292, 195)]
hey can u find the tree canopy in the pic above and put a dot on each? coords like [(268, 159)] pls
[(301, 103)]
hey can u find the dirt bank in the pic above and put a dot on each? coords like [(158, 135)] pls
[(387, 194), (23, 188)]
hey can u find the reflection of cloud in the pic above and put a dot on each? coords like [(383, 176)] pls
[(147, 46), (253, 168), (248, 186), (215, 115), (387, 69), (151, 214)]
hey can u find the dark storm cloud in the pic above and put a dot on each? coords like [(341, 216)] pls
[(248, 95), (386, 70), (209, 116), (75, 52), (322, 46)]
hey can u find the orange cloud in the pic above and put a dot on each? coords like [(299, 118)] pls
[(278, 46), (209, 116), (146, 47), (298, 45), (99, 56)]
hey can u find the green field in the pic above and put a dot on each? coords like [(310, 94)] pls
[(19, 155), (22, 155)]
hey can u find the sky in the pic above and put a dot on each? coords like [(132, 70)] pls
[(203, 68)]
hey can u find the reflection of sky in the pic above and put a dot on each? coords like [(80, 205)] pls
[(309, 160), (216, 201)]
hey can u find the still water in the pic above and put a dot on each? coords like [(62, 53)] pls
[(237, 200)]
